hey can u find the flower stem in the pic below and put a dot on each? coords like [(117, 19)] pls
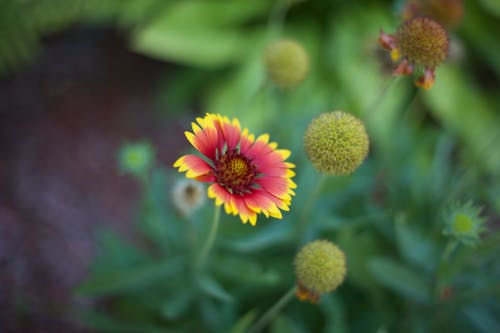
[(277, 17), (304, 220), (450, 247), (210, 239), (445, 256), (273, 311)]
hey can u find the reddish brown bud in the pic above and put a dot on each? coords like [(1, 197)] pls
[(423, 42)]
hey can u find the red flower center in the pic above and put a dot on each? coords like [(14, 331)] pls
[(235, 172)]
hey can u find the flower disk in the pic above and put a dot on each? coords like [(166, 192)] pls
[(336, 143), (249, 175), (423, 42), (287, 63), (320, 267)]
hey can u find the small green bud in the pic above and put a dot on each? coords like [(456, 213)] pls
[(136, 158), (287, 63), (336, 143), (320, 267), (464, 224)]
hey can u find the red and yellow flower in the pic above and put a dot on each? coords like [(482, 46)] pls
[(249, 175)]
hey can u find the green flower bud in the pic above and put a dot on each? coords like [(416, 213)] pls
[(320, 267), (464, 224), (287, 63), (136, 158), (423, 41), (336, 143)]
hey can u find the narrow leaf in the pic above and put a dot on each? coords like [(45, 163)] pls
[(400, 279), (127, 279)]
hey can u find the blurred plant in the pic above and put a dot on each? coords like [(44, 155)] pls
[(404, 276), (287, 63), (188, 196), (136, 158)]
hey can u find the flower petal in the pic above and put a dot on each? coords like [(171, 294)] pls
[(246, 214), (233, 203), (260, 201), (277, 186), (246, 142), (195, 166), (231, 132)]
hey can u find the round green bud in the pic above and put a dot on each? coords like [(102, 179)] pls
[(336, 143), (320, 267), (287, 63), (423, 42), (136, 158)]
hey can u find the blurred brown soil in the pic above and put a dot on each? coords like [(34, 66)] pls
[(62, 120)]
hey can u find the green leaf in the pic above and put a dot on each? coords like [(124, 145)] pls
[(128, 279), (400, 279), (462, 108), (196, 46), (115, 253), (283, 324), (482, 318), (181, 96), (201, 33), (177, 303), (210, 14), (211, 315), (213, 289), (105, 323), (334, 312), (245, 271), (476, 30), (240, 93), (491, 6), (413, 246), (269, 236), (242, 325), (359, 245)]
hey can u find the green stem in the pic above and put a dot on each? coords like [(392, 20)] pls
[(277, 18), (448, 250), (371, 111), (273, 311), (445, 256), (210, 239), (303, 220)]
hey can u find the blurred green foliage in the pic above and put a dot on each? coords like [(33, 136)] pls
[(429, 150)]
